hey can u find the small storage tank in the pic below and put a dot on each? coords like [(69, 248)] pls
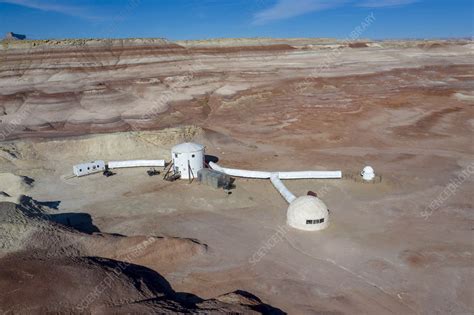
[(188, 159)]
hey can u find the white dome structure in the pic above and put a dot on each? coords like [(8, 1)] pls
[(308, 213), (188, 159), (368, 173)]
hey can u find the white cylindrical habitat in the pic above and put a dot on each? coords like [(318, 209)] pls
[(188, 159)]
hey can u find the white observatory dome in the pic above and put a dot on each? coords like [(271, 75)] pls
[(308, 213), (368, 173)]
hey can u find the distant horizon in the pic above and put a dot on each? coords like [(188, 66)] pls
[(209, 19), (257, 37)]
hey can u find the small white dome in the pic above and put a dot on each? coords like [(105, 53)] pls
[(187, 147), (308, 213), (368, 173), (368, 169)]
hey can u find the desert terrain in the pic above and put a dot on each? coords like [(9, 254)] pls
[(134, 243)]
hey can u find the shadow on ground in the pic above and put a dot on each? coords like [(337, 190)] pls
[(81, 222)]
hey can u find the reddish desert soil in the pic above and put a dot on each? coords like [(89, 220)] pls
[(403, 245)]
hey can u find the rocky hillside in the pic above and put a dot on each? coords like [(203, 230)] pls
[(93, 271)]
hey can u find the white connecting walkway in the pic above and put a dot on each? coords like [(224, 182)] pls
[(275, 177)]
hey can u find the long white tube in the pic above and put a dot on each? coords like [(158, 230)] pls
[(281, 175), (239, 173), (289, 197), (136, 163), (310, 174), (276, 176)]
